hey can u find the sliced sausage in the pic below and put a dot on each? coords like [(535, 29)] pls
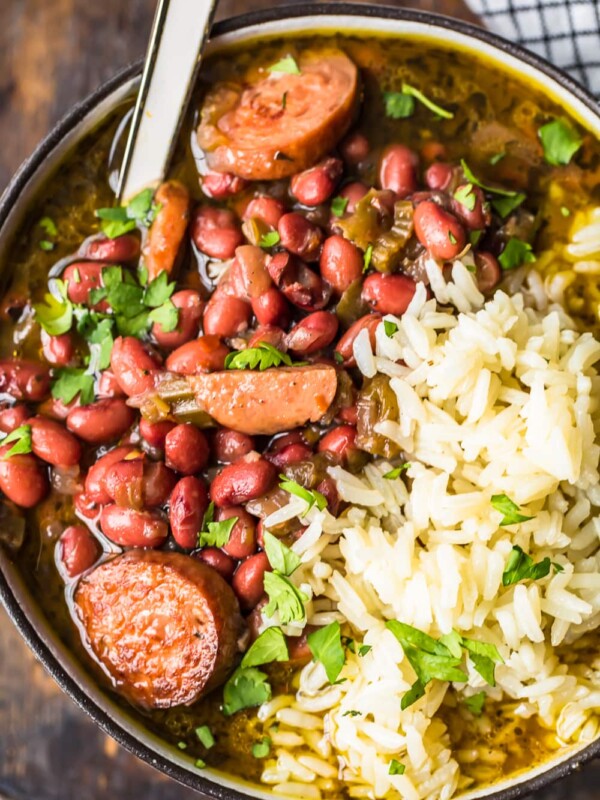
[(266, 402), (163, 625), (246, 130), (168, 229)]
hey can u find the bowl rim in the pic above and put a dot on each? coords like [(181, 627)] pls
[(27, 626)]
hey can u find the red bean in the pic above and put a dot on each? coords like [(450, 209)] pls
[(159, 482), (300, 236), (58, 350), (314, 332), (439, 176), (108, 385), (242, 539), (124, 482), (216, 232), (229, 446), (346, 344), (130, 528), (190, 307), (266, 209), (24, 380), (78, 550), (53, 444), (23, 479), (121, 250), (226, 316), (316, 185), (186, 449), (269, 334), (219, 561), (388, 294), (220, 185), (245, 480), (354, 148), (187, 506), (80, 279), (205, 354), (348, 414), (300, 285), (353, 192), (341, 263), (132, 365), (438, 230), (475, 218), (101, 422), (56, 409), (271, 308), (398, 170), (292, 454), (13, 417), (155, 432), (340, 441), (84, 506), (328, 489), (94, 482), (248, 277), (488, 271), (249, 580)]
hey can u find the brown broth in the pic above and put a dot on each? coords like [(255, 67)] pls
[(494, 112)]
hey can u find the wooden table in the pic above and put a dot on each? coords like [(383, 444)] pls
[(52, 53)]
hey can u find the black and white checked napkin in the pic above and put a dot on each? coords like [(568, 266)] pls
[(565, 32)]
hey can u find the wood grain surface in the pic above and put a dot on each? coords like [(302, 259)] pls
[(53, 53)]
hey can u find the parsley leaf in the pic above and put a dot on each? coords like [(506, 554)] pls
[(397, 471), (48, 225), (418, 95), (269, 646), (506, 205), (284, 597), (509, 509), (97, 330), (46, 245), (217, 533), (158, 291), (520, 567), (248, 687), (311, 496), (261, 357), (269, 239), (338, 206), (205, 736), (515, 253), (166, 315), (72, 381), (396, 768), (367, 258), (21, 437), (325, 644), (261, 749), (398, 105), (560, 142), (475, 703), (287, 64), (389, 327), (54, 315), (123, 219), (474, 179), (364, 649), (280, 557), (484, 657), (466, 196)]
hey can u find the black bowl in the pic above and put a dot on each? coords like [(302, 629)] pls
[(23, 610)]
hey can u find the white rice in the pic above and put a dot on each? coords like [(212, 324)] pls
[(499, 399)]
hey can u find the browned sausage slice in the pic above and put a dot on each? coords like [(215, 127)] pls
[(168, 229), (163, 625), (266, 402), (252, 132)]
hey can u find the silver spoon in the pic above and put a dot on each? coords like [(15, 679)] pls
[(179, 32)]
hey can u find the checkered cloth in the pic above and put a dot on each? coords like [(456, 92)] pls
[(565, 32)]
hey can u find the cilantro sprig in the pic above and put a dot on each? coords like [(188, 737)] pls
[(560, 141), (472, 178), (140, 211), (261, 357), (475, 703), (515, 253), (268, 647), (509, 509), (248, 687), (310, 496), (338, 206), (521, 567), (284, 598), (326, 647), (397, 471), (280, 556), (215, 534), (72, 381), (20, 439), (400, 105)]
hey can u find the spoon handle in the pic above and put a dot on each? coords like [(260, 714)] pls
[(178, 35)]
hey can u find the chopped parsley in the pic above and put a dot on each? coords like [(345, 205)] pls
[(338, 206), (311, 496), (284, 598), (389, 327), (205, 736), (515, 253), (46, 245), (560, 141), (248, 687), (261, 357), (261, 749), (352, 713), (269, 239), (470, 176), (20, 439), (48, 225), (509, 509), (287, 64), (216, 534), (119, 220), (475, 703), (521, 567), (396, 768), (326, 647), (506, 205), (400, 105), (268, 647), (466, 196), (397, 471), (565, 211), (72, 381), (199, 763), (280, 556), (182, 745), (367, 258)]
